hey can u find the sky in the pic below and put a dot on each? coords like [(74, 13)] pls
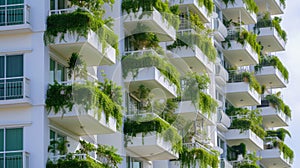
[(291, 59)]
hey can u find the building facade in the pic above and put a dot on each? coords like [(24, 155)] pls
[(143, 84)]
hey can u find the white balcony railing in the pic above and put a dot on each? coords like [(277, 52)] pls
[(61, 11), (14, 88), (15, 14), (55, 158), (14, 159)]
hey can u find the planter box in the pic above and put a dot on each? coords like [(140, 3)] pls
[(273, 158), (274, 118), (271, 77), (270, 39), (272, 6)]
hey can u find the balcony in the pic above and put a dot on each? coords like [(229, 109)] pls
[(151, 145), (151, 77), (84, 123), (15, 18), (189, 112), (194, 58), (270, 39), (248, 137), (274, 7), (239, 10), (15, 92), (90, 47), (271, 77), (193, 5), (220, 31), (223, 120), (76, 159), (240, 55), (154, 22), (274, 158), (273, 117), (15, 159), (222, 75), (241, 94)]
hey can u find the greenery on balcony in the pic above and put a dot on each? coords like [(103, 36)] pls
[(279, 133), (193, 87), (169, 13), (189, 157), (267, 21), (288, 153), (275, 62), (209, 5), (245, 119), (234, 151), (103, 96), (202, 41), (276, 102), (80, 23), (82, 159), (282, 2), (148, 123), (250, 4), (244, 37), (133, 62), (245, 77)]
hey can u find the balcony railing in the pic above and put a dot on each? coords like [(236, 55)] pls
[(61, 11), (14, 159), (14, 14), (55, 158), (14, 88)]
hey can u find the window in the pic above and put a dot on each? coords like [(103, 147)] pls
[(11, 147), (55, 137), (11, 77), (57, 72), (133, 163), (11, 12), (58, 4)]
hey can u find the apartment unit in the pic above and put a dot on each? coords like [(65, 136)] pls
[(143, 84)]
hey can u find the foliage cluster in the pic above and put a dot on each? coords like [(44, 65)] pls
[(277, 102), (245, 77), (276, 63), (250, 4), (169, 13), (80, 23), (202, 41), (190, 157), (133, 62), (152, 123)]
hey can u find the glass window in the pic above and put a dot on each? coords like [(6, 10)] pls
[(57, 72), (133, 163), (11, 147), (14, 66), (58, 4)]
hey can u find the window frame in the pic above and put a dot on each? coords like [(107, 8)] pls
[(56, 63)]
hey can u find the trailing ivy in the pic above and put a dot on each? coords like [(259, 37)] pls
[(267, 21), (169, 13), (133, 62), (276, 63), (79, 23), (246, 120), (288, 153), (190, 157), (245, 77), (71, 163), (152, 123), (234, 151), (62, 98), (202, 41), (209, 5), (250, 4), (278, 104)]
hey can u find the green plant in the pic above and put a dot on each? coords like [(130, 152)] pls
[(267, 21), (278, 103), (288, 153), (251, 4), (234, 151), (152, 123), (246, 120), (79, 23), (209, 4), (280, 133), (110, 157), (276, 63), (169, 13), (72, 163), (59, 146), (250, 78), (203, 42), (132, 63), (282, 2), (190, 157)]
